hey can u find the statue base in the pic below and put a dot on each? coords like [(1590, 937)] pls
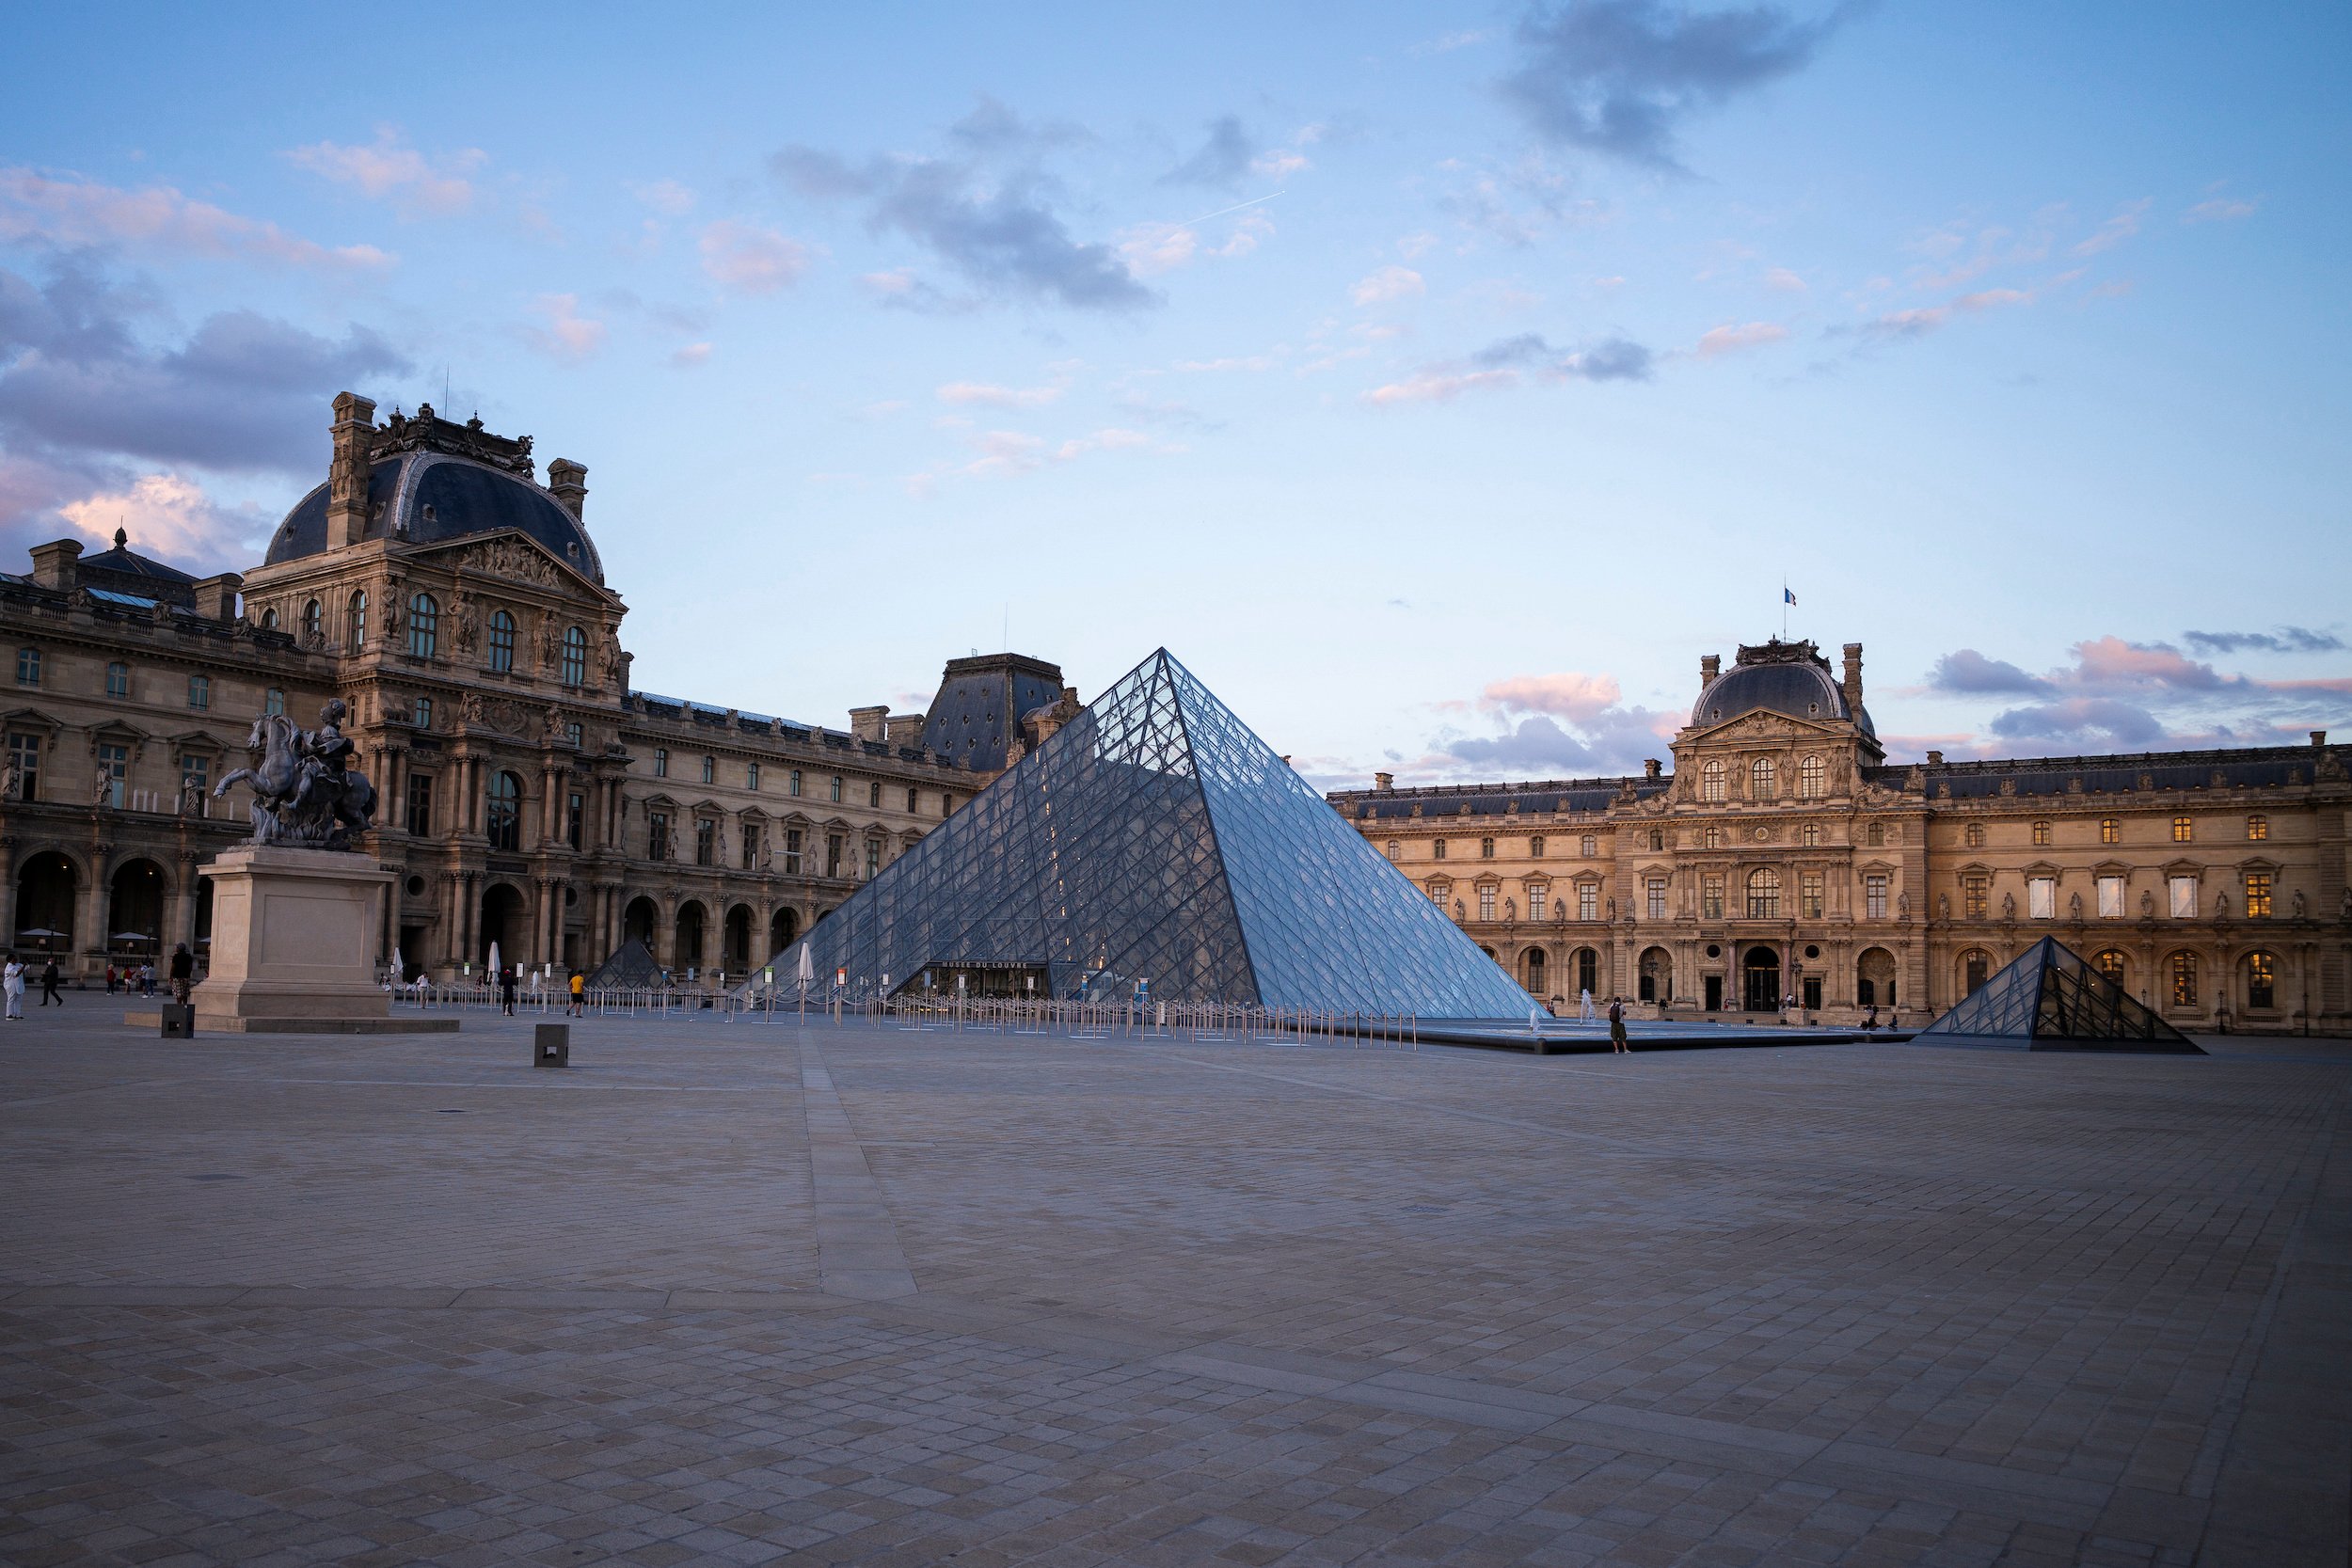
[(294, 936)]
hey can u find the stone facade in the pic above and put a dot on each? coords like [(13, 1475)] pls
[(1782, 855), (527, 795)]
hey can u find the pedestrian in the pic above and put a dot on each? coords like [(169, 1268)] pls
[(579, 993), (1616, 1028), (182, 972), (110, 978), (1585, 1005), (147, 979), (1870, 1021), (49, 984), (12, 985), (506, 991)]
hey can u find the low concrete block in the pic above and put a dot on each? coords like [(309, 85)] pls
[(551, 1045)]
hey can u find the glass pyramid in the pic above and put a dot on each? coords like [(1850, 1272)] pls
[(2048, 999), (630, 967), (1155, 840)]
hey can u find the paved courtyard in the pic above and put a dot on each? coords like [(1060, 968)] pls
[(738, 1293)]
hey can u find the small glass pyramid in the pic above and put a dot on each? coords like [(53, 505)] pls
[(630, 967), (1154, 842), (2048, 999)]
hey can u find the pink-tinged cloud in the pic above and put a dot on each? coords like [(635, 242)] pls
[(168, 516), (751, 259), (1437, 386), (982, 395), (2221, 209), (1728, 338), (387, 170), (1565, 695), (1785, 281), (1387, 283), (568, 335), (159, 220), (2122, 227)]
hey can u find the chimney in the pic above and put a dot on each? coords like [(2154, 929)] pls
[(2319, 737), (1710, 665), (903, 729), (347, 475), (1854, 677), (217, 597), (1384, 781), (565, 483), (1936, 759), (1651, 768), (869, 723), (57, 565)]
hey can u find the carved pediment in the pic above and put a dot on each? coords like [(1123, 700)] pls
[(511, 557)]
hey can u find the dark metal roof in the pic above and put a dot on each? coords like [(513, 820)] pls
[(123, 570), (1439, 804), (429, 496), (976, 714), (2252, 769)]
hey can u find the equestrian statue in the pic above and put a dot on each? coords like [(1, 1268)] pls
[(306, 796)]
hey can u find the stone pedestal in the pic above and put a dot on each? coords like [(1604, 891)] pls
[(295, 936)]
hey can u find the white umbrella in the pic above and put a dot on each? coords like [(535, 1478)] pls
[(398, 968), (494, 958)]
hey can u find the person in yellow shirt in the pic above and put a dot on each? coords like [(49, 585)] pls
[(580, 986)]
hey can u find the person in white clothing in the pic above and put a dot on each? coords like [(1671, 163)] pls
[(1585, 1006), (12, 983)]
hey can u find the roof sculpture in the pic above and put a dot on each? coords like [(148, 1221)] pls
[(1155, 838), (2048, 999)]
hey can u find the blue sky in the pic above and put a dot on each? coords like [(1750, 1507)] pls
[(1437, 382)]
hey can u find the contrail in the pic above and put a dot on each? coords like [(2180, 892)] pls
[(1222, 211)]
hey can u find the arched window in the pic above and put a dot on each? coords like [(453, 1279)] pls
[(424, 626), (269, 619), (1975, 965), (1711, 782), (1763, 893), (2109, 963), (1813, 778), (1763, 780), (2262, 981), (314, 622), (575, 657), (356, 621), (502, 641), (1534, 963), (2182, 968), (506, 813)]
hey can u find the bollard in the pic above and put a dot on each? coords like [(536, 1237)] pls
[(551, 1045), (178, 1020)]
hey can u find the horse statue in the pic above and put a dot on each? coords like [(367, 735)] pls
[(305, 795)]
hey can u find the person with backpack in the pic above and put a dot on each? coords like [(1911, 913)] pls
[(1616, 1028)]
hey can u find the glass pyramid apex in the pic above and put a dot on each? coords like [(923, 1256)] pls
[(1155, 841), (2049, 999)]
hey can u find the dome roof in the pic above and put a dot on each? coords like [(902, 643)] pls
[(425, 497), (1788, 678)]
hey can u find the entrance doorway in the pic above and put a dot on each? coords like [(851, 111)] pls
[(1759, 980), (1714, 993)]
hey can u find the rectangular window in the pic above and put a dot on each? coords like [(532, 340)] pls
[(1711, 838), (2041, 899), (2042, 833), (2181, 897), (1588, 901), (1974, 895), (913, 799), (873, 795), (2258, 827), (117, 680), (575, 813), (2258, 896), (1809, 895), (2182, 829), (574, 736), (837, 789), (2110, 831), (661, 762), (28, 667), (1485, 849), (274, 700), (873, 859), (2184, 979), (421, 716), (25, 756), (1588, 846), (750, 845), (791, 852), (706, 842), (833, 853), (710, 769), (200, 692), (1654, 897), (657, 835), (792, 783), (1437, 850), (420, 804), (1874, 897), (114, 765), (947, 803), (751, 776), (1711, 897), (1486, 903), (1537, 895), (2110, 898), (1534, 849)]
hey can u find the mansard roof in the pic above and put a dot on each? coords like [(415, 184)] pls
[(1792, 679)]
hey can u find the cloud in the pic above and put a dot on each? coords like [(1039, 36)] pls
[(689, 356), (244, 392), (1567, 695), (170, 515), (1502, 364), (387, 170), (666, 196), (1427, 385), (1002, 236), (993, 129), (2122, 227), (159, 220), (1152, 248), (751, 259), (1008, 454), (1731, 340), (1783, 280), (1615, 76), (1387, 283), (2286, 639), (1969, 672), (1558, 723), (2085, 721), (568, 335), (980, 394), (1918, 321), (1221, 160), (2221, 209)]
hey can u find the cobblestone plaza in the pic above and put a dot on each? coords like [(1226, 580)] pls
[(744, 1294)]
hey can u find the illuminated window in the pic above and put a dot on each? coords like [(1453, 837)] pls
[(1975, 892), (2262, 981), (2258, 896), (2182, 829), (424, 626), (2257, 826), (575, 657), (1763, 779), (502, 641), (1974, 835), (2042, 833), (1485, 849), (1711, 782), (1763, 893), (2110, 898), (2109, 963), (2184, 971), (1874, 897), (2042, 898), (1812, 777), (1809, 895), (2110, 831)]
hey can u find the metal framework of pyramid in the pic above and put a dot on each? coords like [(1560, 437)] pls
[(2049, 999), (630, 967), (1154, 839)]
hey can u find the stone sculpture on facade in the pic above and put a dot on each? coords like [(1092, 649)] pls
[(305, 795)]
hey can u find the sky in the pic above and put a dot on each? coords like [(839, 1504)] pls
[(1437, 382)]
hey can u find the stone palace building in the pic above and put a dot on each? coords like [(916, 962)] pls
[(528, 796), (1782, 855)]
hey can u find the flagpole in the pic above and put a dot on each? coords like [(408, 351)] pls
[(1784, 609)]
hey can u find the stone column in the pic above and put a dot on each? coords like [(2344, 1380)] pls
[(7, 890), (665, 930), (181, 925)]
